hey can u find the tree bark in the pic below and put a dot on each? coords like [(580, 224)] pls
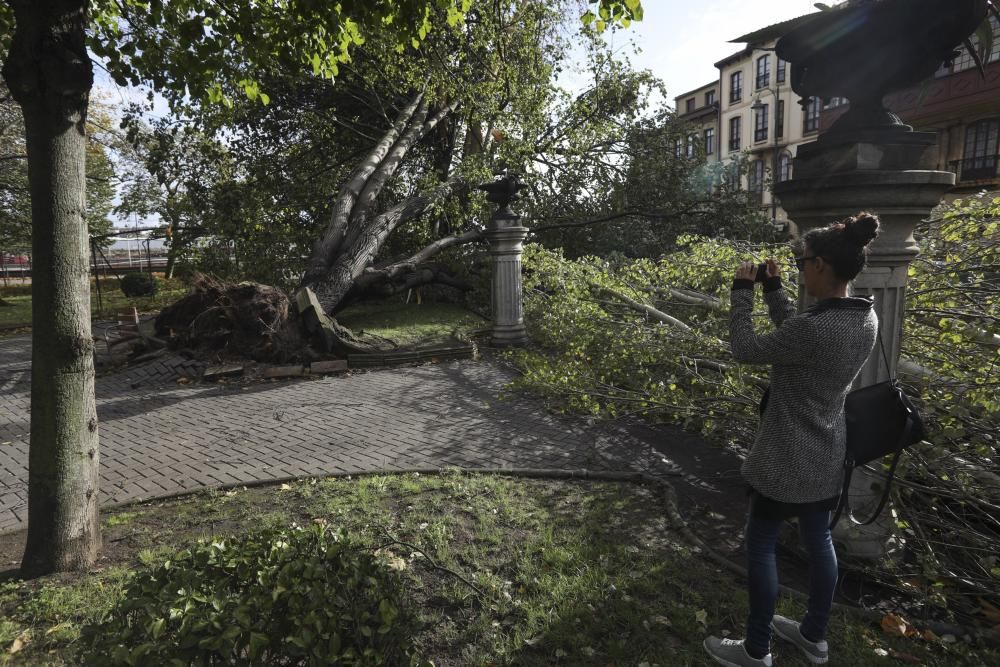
[(326, 247), (351, 263), (353, 237), (49, 74)]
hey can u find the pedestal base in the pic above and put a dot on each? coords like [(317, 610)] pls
[(509, 336), (865, 542)]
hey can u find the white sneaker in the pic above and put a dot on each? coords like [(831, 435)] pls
[(818, 653), (732, 653)]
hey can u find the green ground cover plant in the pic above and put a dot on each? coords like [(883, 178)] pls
[(410, 324), (497, 571)]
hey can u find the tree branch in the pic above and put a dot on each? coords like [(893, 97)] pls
[(657, 315)]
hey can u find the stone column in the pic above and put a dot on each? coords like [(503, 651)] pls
[(506, 238), (890, 173)]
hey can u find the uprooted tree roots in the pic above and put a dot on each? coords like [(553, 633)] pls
[(247, 320)]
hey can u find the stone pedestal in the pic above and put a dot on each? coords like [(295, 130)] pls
[(892, 175), (506, 239)]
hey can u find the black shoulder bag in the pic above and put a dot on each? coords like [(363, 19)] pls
[(881, 420)]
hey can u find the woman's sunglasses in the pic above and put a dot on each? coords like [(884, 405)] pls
[(800, 262)]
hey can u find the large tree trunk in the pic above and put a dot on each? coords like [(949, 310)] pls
[(360, 254), (353, 237), (49, 74), (340, 216)]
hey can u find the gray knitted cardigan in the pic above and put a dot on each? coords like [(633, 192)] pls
[(798, 454)]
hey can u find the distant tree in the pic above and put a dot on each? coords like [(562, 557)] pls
[(611, 174), (172, 172)]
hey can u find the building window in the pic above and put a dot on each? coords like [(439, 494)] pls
[(760, 123), (835, 102), (690, 144), (689, 105), (981, 149), (784, 167), (709, 98), (732, 175), (679, 147), (735, 87), (763, 72), (734, 133), (755, 181), (779, 123), (810, 121), (710, 141), (780, 74)]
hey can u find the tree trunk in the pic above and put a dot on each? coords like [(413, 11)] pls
[(340, 216), (353, 238), (168, 272), (358, 256), (49, 73)]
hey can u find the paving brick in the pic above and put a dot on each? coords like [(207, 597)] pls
[(160, 438)]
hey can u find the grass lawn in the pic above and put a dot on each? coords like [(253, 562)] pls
[(410, 324), (571, 573), (112, 299)]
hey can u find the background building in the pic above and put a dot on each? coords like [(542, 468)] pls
[(752, 121), (699, 108), (759, 122)]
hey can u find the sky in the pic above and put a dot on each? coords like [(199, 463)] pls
[(681, 40)]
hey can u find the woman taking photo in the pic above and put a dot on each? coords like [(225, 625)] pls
[(795, 465)]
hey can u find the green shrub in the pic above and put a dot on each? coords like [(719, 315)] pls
[(139, 284), (290, 597)]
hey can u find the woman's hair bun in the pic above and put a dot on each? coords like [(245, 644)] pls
[(861, 228)]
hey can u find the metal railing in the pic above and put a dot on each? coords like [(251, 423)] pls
[(979, 168)]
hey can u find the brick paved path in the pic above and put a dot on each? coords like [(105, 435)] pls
[(159, 438)]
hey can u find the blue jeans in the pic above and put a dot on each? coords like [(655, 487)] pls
[(762, 568)]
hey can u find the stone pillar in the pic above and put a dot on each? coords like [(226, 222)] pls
[(889, 173), (506, 246)]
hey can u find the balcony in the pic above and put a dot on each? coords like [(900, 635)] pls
[(981, 168)]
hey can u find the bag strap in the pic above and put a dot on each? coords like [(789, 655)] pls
[(849, 469), (885, 357)]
